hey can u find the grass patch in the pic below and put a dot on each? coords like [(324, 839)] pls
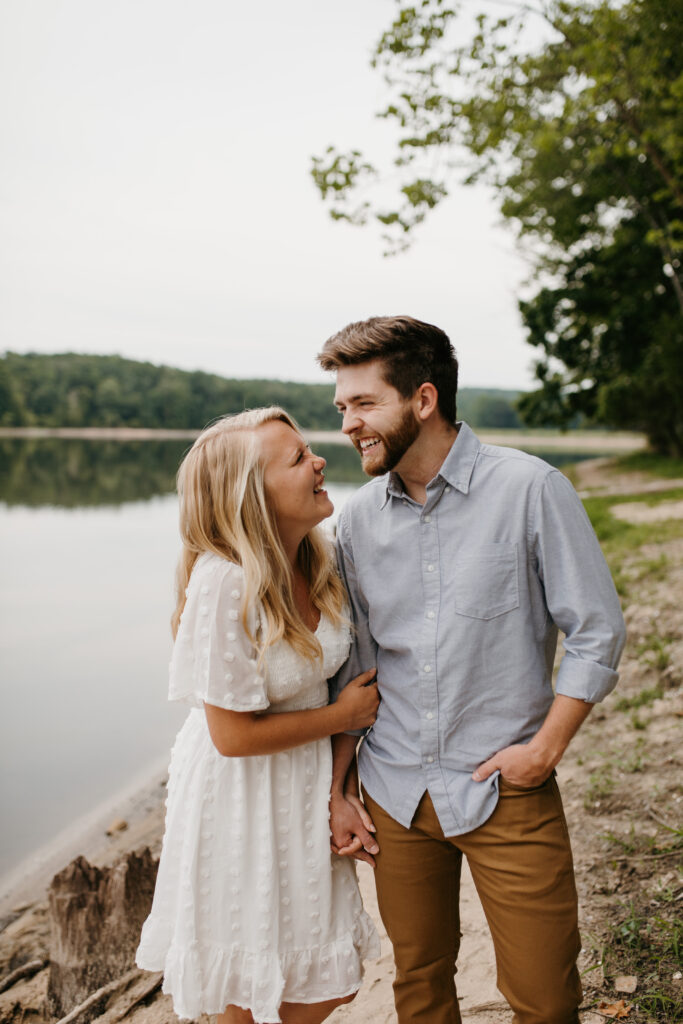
[(603, 780), (633, 761), (645, 941), (654, 650), (650, 463), (620, 539), (639, 844), (601, 784), (653, 569), (642, 699), (649, 498)]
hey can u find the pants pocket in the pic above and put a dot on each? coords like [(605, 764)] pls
[(503, 784)]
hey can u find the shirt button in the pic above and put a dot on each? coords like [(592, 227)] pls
[(446, 490), (430, 715), (426, 519), (428, 668), (430, 567), (430, 759), (430, 614)]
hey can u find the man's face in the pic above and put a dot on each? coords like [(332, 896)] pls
[(379, 421)]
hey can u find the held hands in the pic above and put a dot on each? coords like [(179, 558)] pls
[(351, 827), (520, 764), (358, 702)]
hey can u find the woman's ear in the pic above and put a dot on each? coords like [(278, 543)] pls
[(427, 400)]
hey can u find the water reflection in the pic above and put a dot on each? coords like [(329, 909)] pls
[(70, 473), (79, 473)]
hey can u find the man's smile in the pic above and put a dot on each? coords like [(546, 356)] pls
[(366, 443)]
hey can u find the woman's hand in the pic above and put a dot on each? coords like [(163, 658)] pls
[(351, 827), (359, 700)]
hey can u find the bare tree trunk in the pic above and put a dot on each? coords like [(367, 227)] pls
[(96, 915)]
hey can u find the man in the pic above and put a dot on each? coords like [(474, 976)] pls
[(461, 561)]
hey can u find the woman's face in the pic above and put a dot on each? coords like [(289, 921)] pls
[(293, 479)]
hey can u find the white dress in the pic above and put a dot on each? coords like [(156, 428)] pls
[(250, 905)]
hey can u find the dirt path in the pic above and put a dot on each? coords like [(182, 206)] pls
[(596, 478)]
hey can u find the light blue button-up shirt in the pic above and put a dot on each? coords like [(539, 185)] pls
[(458, 603)]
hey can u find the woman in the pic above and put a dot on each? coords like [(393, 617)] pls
[(253, 918)]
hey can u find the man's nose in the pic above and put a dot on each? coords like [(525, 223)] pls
[(350, 422)]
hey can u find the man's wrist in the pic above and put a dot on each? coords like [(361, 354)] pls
[(547, 753)]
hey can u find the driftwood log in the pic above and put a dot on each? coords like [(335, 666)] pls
[(96, 915), (26, 970), (124, 993)]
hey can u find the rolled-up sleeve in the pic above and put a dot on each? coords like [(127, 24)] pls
[(363, 652), (580, 595)]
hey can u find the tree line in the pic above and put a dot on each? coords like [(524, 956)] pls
[(74, 390)]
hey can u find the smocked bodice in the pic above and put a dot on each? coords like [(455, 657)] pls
[(293, 682)]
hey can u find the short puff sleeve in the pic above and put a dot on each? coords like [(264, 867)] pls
[(213, 659)]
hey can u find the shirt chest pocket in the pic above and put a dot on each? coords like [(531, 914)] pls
[(486, 581)]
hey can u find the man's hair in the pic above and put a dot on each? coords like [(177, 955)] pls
[(412, 353)]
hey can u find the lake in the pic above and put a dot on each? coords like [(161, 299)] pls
[(89, 542)]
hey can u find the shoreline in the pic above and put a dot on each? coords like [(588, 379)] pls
[(141, 804), (601, 442)]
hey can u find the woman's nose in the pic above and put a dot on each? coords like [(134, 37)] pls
[(319, 463)]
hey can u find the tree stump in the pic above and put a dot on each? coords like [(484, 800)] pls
[(96, 915)]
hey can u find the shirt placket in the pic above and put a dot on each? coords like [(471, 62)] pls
[(427, 651)]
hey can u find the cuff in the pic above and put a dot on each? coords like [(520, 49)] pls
[(585, 680)]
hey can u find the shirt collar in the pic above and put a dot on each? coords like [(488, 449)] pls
[(456, 469)]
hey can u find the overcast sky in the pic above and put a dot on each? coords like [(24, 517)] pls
[(155, 199)]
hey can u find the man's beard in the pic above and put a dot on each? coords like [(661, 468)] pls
[(395, 444)]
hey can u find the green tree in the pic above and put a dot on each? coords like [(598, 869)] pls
[(11, 411), (494, 412), (582, 137)]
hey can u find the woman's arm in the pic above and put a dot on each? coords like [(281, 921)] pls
[(246, 733)]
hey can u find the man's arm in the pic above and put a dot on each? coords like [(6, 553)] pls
[(583, 603), (530, 764)]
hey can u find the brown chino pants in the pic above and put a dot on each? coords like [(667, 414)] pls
[(521, 864)]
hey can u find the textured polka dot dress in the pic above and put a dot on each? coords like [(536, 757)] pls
[(250, 905)]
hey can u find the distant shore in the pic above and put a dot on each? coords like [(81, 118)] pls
[(601, 442)]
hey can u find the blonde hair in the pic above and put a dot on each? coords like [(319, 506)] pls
[(224, 510)]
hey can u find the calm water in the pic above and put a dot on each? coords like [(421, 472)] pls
[(85, 597), (88, 545)]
